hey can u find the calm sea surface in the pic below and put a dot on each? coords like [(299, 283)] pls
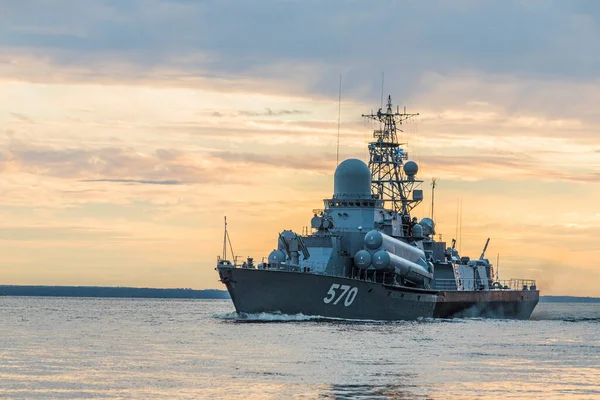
[(186, 349)]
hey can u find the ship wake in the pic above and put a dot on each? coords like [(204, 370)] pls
[(279, 317), (264, 317), (564, 318), (269, 317)]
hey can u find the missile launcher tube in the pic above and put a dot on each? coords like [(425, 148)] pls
[(375, 240), (384, 260), (362, 259)]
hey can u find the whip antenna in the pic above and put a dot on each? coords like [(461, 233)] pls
[(337, 154), (433, 184), (382, 76)]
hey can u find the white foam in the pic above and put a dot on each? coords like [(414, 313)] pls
[(266, 317), (278, 317)]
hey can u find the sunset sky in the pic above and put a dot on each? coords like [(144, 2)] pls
[(128, 129)]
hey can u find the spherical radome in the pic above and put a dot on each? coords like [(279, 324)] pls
[(428, 226), (411, 168), (276, 256), (352, 179)]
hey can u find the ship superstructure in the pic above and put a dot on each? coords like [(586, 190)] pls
[(367, 258)]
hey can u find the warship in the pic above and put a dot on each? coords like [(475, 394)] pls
[(366, 258)]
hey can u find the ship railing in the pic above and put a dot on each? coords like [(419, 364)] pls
[(444, 284), (479, 284), (235, 263)]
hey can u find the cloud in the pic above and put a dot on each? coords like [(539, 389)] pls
[(59, 234), (172, 182), (315, 162), (313, 133), (114, 164), (271, 113), (22, 118), (500, 166), (191, 41), (504, 100), (267, 112)]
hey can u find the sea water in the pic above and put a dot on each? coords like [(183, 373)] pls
[(200, 349)]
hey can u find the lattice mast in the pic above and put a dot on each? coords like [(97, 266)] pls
[(386, 159)]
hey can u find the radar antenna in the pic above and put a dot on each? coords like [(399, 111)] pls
[(497, 265), (386, 159), (433, 184)]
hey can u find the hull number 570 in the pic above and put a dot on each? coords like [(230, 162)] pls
[(338, 292)]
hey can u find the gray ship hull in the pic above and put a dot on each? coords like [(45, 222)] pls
[(270, 291)]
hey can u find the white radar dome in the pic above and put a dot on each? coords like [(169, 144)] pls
[(352, 179), (428, 226)]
